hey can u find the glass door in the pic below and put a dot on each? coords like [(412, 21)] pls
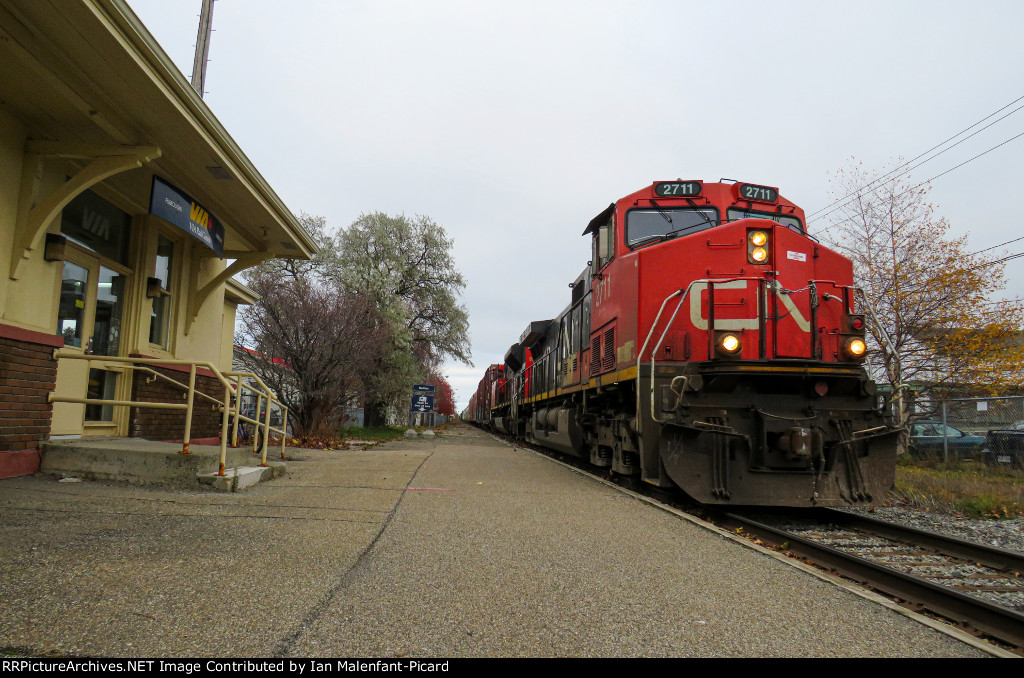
[(105, 340), (90, 318)]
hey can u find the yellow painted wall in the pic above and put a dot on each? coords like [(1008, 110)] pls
[(31, 301), (227, 335), (203, 341), (12, 144)]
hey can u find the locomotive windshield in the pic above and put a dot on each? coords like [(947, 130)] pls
[(660, 223), (792, 223)]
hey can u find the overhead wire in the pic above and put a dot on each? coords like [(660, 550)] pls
[(916, 186), (939, 145)]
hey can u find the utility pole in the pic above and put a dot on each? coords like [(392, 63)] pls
[(202, 48)]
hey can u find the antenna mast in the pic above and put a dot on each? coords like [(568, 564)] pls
[(202, 48)]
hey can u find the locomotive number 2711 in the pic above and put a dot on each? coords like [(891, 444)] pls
[(681, 188), (755, 192)]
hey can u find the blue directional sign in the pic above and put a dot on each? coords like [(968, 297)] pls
[(422, 403), (423, 388)]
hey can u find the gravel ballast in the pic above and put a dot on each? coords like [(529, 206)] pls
[(1006, 534)]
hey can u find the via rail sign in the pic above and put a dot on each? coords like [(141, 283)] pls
[(422, 403)]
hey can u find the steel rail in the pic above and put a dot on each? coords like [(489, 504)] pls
[(997, 558), (998, 621)]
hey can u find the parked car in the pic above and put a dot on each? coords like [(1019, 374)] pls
[(932, 438), (1005, 447)]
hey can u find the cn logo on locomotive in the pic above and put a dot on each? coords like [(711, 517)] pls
[(701, 323)]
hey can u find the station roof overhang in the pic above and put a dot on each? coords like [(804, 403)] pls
[(238, 293), (87, 74)]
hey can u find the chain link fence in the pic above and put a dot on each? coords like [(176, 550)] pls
[(988, 430)]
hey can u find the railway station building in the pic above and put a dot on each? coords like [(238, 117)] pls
[(125, 209)]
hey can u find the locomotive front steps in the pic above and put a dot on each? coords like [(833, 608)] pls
[(149, 462)]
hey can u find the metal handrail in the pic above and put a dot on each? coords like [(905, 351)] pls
[(230, 390), (685, 293), (173, 381), (260, 394)]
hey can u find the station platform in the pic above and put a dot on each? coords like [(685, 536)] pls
[(151, 462), (456, 546)]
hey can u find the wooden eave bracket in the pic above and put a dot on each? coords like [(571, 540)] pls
[(243, 260), (35, 216)]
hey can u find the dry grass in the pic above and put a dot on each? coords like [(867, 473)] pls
[(962, 487)]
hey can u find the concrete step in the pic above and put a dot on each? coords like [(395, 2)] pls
[(241, 477), (138, 461)]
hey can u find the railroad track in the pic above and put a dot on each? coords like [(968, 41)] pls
[(978, 587)]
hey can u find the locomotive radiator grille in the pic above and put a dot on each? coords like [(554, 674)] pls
[(608, 355)]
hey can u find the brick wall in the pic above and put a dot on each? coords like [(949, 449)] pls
[(28, 374), (156, 424)]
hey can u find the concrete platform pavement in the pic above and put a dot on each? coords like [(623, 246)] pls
[(457, 546)]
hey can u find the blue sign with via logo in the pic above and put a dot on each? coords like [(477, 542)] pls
[(179, 208)]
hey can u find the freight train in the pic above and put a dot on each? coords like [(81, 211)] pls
[(710, 344)]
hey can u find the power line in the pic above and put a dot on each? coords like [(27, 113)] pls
[(910, 169), (996, 261), (900, 167), (999, 245), (828, 228)]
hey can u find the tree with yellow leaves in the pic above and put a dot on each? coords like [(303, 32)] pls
[(936, 326)]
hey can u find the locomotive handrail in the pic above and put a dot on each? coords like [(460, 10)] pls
[(643, 348), (774, 286), (685, 293)]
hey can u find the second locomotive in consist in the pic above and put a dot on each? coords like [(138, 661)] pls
[(711, 344)]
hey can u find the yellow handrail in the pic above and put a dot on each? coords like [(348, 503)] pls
[(266, 427), (230, 390)]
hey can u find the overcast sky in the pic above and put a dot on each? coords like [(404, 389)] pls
[(513, 124)]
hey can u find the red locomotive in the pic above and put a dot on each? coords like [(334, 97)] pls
[(710, 343)]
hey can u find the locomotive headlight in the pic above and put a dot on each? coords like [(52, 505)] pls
[(757, 247), (855, 347), (729, 344)]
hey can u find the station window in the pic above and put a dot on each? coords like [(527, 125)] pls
[(71, 312), (163, 300)]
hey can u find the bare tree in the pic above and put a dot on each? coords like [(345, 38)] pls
[(309, 338), (937, 325)]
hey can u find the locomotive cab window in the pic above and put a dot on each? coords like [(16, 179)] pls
[(604, 244), (650, 224), (792, 223)]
